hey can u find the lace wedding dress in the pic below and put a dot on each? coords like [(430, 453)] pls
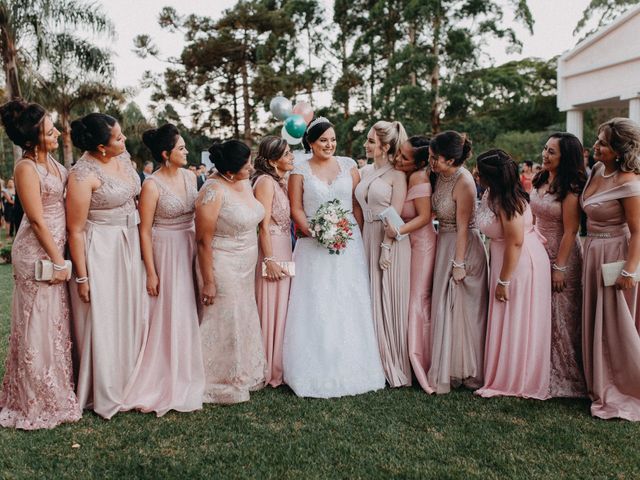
[(330, 347)]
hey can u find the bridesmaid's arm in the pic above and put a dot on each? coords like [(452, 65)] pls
[(295, 199), (464, 194), (147, 208), (264, 192), (631, 207), (357, 209), (513, 239), (28, 186), (571, 226), (206, 220), (421, 204)]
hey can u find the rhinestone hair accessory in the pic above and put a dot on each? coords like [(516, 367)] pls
[(317, 121)]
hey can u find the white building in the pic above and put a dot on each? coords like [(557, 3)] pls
[(602, 71)]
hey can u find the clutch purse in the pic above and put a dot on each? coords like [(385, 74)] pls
[(611, 272), (390, 216), (288, 267), (44, 270)]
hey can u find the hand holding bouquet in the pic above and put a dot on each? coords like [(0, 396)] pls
[(331, 226)]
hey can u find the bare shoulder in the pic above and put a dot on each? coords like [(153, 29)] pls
[(418, 177)]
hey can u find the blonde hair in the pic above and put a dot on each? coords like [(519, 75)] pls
[(623, 136), (392, 134)]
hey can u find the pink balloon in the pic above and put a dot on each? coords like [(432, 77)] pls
[(304, 109)]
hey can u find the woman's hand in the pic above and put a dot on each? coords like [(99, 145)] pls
[(83, 292), (59, 276), (152, 285), (390, 231), (624, 283), (502, 293), (385, 257), (458, 274), (558, 282), (208, 293), (274, 271)]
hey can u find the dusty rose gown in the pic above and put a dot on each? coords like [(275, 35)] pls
[(110, 331), (234, 359), (518, 349), (273, 297), (567, 378), (458, 311), (389, 288), (37, 390), (171, 375), (610, 317), (423, 255)]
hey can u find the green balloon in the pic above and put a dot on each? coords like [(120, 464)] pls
[(295, 125)]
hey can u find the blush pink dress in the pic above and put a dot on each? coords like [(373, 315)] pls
[(610, 317), (111, 330), (171, 375), (37, 390), (272, 297), (517, 360), (234, 359), (423, 253), (567, 377)]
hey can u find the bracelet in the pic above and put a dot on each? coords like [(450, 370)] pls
[(59, 268), (558, 268), (268, 259), (81, 279), (458, 265), (385, 245), (626, 274), (504, 283)]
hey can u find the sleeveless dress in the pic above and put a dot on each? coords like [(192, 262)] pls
[(330, 347), (567, 377), (272, 297), (110, 331), (610, 317), (171, 375), (37, 389), (389, 288), (234, 360), (458, 311), (423, 255), (518, 348)]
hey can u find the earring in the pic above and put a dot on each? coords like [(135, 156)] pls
[(104, 154), (232, 177)]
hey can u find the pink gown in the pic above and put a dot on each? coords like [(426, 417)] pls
[(37, 390), (610, 317), (423, 252), (567, 377), (110, 331), (273, 297), (518, 349), (171, 375)]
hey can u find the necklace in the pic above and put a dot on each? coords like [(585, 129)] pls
[(608, 175), (226, 178)]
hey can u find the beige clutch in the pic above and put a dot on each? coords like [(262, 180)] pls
[(611, 272), (44, 270), (288, 267)]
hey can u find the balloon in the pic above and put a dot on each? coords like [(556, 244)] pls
[(290, 140), (304, 109), (295, 125), (280, 107)]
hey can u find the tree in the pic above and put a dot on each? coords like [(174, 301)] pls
[(605, 10)]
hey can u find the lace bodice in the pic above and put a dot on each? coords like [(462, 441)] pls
[(280, 210), (173, 209), (113, 194), (316, 191), (443, 203)]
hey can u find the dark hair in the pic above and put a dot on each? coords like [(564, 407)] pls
[(528, 163), (314, 132), (92, 130), (160, 140), (499, 173), (420, 146), (452, 146), (23, 122), (229, 156), (270, 148), (571, 175)]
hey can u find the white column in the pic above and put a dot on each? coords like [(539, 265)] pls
[(575, 123), (634, 109)]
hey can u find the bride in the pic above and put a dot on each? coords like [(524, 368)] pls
[(330, 346)]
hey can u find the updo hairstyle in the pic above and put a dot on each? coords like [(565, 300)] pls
[(623, 136), (392, 134), (92, 130), (420, 146), (452, 146), (271, 148), (160, 140), (314, 132), (23, 122), (229, 156)]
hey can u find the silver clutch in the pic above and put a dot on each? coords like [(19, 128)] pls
[(611, 272), (288, 267), (44, 270), (390, 216)]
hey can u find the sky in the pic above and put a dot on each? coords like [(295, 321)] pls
[(553, 33)]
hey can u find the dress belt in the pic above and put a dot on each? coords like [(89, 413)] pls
[(606, 234), (98, 217), (369, 216)]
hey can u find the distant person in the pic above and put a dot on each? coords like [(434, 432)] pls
[(527, 175), (201, 175), (192, 168), (147, 171), (362, 162), (8, 202)]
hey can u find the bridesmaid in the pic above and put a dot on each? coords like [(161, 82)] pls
[(37, 390), (412, 159), (556, 207), (271, 165), (171, 376), (227, 218), (108, 297), (518, 354), (389, 258), (459, 299), (610, 316)]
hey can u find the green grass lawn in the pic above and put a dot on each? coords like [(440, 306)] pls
[(400, 433)]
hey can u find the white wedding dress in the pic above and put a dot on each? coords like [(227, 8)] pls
[(330, 347)]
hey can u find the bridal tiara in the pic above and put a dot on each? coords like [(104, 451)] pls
[(317, 121)]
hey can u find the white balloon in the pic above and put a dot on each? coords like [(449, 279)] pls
[(280, 107), (290, 140)]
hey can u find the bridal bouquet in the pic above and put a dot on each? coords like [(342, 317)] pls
[(331, 226)]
